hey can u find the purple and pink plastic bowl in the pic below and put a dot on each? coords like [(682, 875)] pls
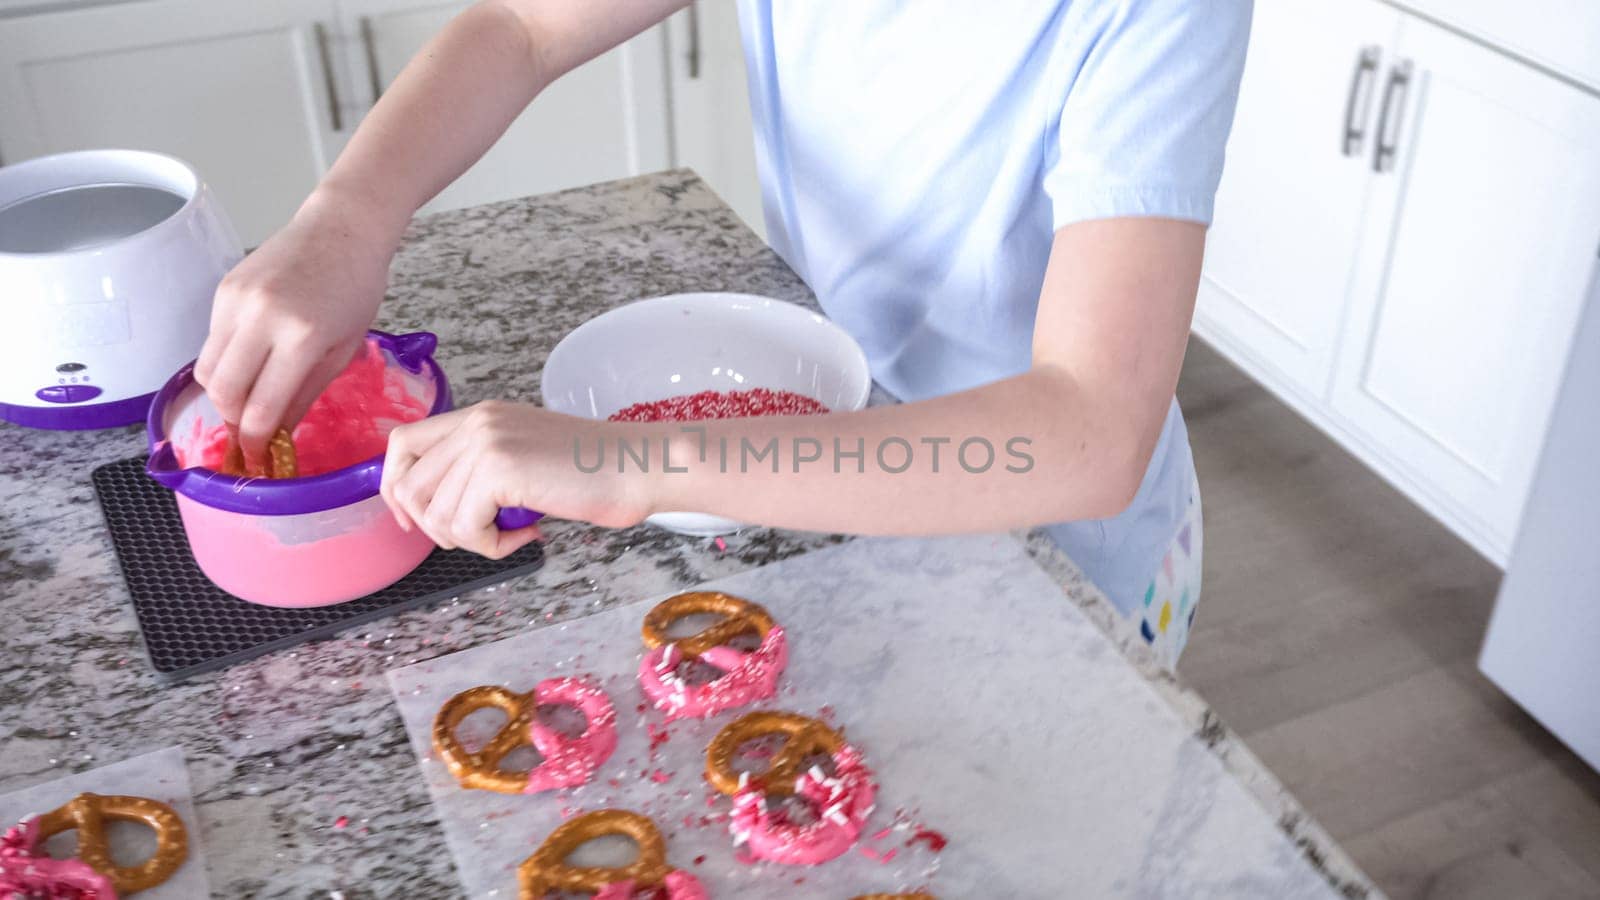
[(296, 542)]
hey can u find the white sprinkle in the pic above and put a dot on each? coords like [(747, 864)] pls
[(816, 774), (744, 780)]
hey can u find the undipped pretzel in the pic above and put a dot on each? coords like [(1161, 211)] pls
[(745, 677), (547, 869), (567, 761), (90, 813), (281, 461), (841, 802)]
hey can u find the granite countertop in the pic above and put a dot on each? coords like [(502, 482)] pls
[(304, 779)]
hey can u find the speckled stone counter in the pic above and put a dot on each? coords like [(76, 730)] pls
[(304, 779)]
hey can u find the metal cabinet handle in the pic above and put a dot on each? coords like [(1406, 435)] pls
[(335, 116), (1358, 103), (1394, 103), (694, 40), (370, 45)]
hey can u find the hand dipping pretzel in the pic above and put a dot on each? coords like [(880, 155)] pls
[(281, 461), (27, 871), (568, 761), (548, 870), (745, 678), (838, 804)]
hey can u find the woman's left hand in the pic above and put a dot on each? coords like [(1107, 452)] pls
[(450, 474)]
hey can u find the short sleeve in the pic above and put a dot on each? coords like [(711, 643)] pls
[(1146, 119)]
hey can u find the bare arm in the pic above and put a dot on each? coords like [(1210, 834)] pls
[(288, 318), (460, 93)]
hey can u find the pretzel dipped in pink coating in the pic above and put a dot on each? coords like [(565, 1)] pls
[(746, 676), (548, 869), (839, 803), (568, 761)]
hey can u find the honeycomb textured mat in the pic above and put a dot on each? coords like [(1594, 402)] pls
[(191, 626)]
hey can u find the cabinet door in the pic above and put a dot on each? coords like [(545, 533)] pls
[(606, 119), (237, 89), (1464, 305), (711, 123), (1290, 206)]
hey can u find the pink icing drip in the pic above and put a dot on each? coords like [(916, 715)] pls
[(842, 804), (679, 886), (570, 761), (348, 423), (26, 871), (746, 678)]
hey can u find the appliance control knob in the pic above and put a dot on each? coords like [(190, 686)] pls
[(67, 393)]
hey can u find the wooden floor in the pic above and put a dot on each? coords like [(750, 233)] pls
[(1339, 636)]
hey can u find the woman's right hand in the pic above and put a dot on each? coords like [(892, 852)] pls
[(290, 316)]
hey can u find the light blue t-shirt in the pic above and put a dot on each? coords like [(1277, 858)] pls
[(917, 156)]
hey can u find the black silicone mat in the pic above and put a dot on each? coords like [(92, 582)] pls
[(191, 626)]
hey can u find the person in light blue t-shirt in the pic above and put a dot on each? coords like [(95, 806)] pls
[(1004, 202)]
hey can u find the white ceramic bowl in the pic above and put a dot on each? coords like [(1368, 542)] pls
[(686, 343)]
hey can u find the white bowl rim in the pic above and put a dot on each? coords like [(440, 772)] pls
[(784, 307)]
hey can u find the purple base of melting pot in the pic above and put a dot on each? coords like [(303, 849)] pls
[(79, 417), (314, 493)]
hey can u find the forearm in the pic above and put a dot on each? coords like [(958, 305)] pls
[(458, 95), (1041, 447), (444, 110)]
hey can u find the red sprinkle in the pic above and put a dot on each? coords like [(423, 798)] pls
[(341, 822), (658, 736), (699, 859), (935, 841), (720, 405)]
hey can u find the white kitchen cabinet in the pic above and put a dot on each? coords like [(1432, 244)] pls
[(1289, 210), (711, 124), (240, 90), (606, 119), (1471, 280), (1415, 297), (1561, 34)]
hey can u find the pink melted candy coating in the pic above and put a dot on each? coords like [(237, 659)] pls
[(27, 871), (746, 678), (349, 423), (678, 885), (571, 761), (842, 803), (312, 559)]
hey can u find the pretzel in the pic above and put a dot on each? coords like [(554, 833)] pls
[(567, 761), (89, 814), (281, 462), (803, 737), (842, 801), (547, 869), (745, 678), (740, 617), (919, 895)]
